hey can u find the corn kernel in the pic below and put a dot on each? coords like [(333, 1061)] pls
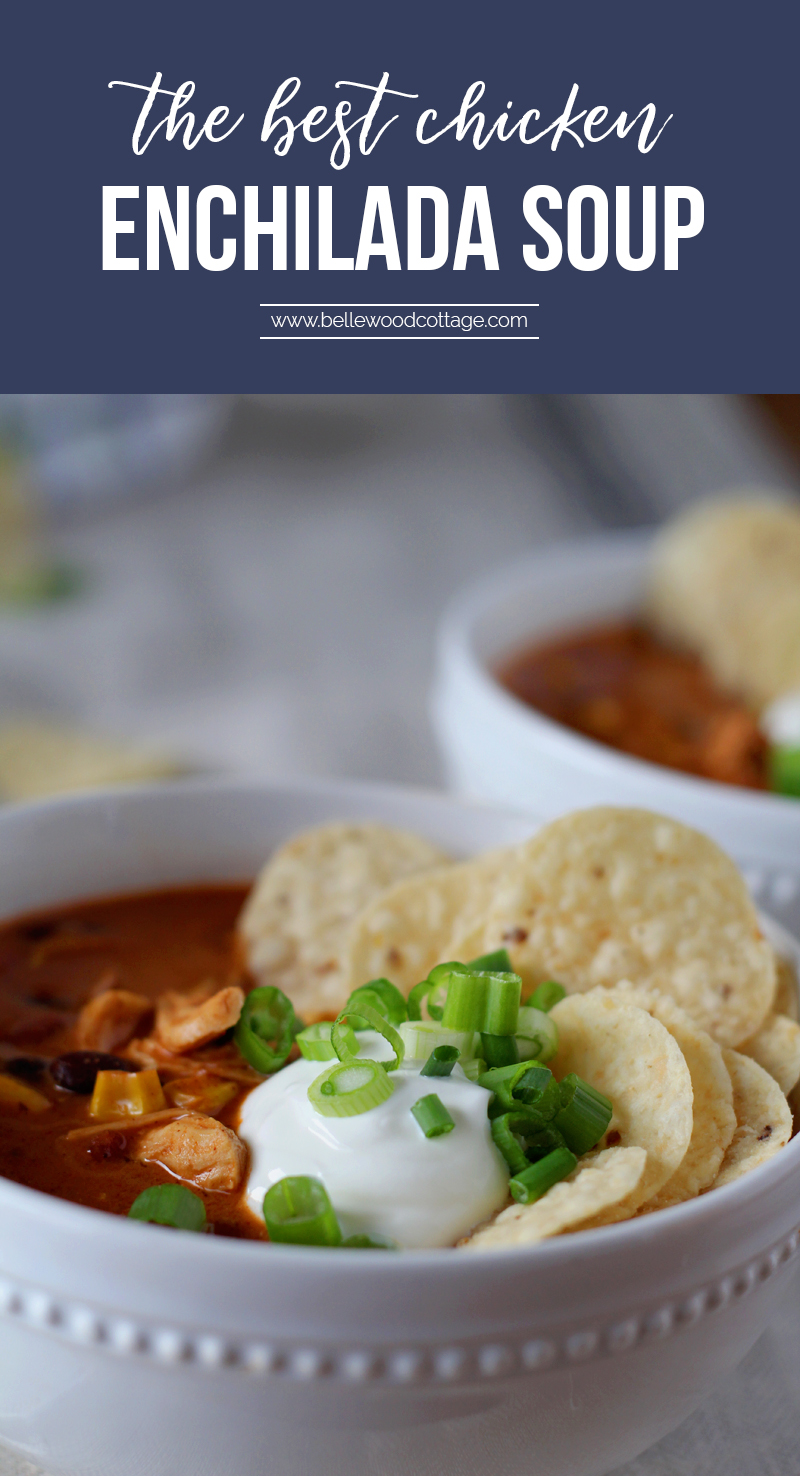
[(201, 1093), (14, 1093), (126, 1094)]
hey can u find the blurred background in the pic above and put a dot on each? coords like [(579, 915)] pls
[(255, 583)]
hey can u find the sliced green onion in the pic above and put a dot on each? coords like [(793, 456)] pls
[(537, 1087), (537, 1118), (502, 1081), (532, 1086), (536, 1034), (382, 996), (440, 983), (499, 1050), (466, 1000), (482, 1001), (539, 1144), (416, 999), (474, 1069), (524, 1123), (350, 1087), (298, 1211), (379, 1023), (584, 1116), (367, 1242), (267, 1028), (503, 1133), (535, 1180), (316, 1045), (495, 1078), (531, 1077), (432, 1116), (784, 769), (440, 1061), (502, 1004), (434, 988), (546, 995), (169, 1204), (365, 996), (420, 1037), (492, 963)]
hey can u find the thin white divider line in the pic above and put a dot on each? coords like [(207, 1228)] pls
[(399, 338), (446, 305)]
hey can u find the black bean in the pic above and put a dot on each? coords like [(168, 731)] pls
[(76, 1070), (36, 932), (27, 1068)]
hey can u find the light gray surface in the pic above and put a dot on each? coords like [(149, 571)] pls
[(751, 1426), (279, 613)]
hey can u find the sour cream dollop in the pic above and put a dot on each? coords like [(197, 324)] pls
[(383, 1176)]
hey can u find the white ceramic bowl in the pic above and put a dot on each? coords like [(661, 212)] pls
[(127, 1350), (498, 748)]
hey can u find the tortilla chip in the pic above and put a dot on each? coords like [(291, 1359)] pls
[(407, 929), (608, 894), (42, 758), (763, 1118), (725, 583), (626, 1053), (776, 1047), (596, 1184), (296, 921), (713, 1117)]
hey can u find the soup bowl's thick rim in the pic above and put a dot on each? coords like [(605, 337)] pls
[(111, 1296), (458, 657)]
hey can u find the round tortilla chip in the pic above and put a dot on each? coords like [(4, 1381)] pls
[(713, 1117), (407, 929), (594, 1186), (608, 894), (725, 582), (296, 921), (763, 1118), (776, 1047), (623, 1051)]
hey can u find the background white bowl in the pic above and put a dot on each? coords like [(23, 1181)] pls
[(128, 1350), (498, 748)]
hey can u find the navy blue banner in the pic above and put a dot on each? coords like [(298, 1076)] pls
[(457, 197)]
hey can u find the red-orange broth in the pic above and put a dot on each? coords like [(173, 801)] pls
[(619, 684)]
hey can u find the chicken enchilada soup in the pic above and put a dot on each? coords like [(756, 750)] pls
[(379, 1047)]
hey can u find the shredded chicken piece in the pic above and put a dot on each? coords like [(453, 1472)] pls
[(223, 1061), (121, 1125), (109, 1020), (182, 1025), (195, 1148)]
